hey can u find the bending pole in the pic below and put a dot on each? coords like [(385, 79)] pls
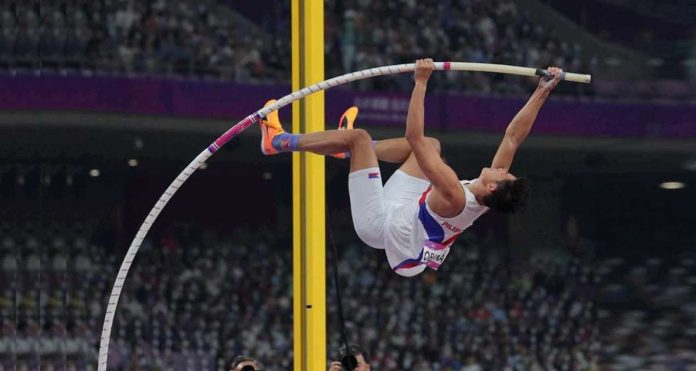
[(255, 117)]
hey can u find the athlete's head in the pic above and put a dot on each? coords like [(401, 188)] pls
[(505, 192)]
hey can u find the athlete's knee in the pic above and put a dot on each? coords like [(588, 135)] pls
[(359, 138), (361, 135), (435, 143)]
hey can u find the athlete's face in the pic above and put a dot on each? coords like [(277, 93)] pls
[(490, 177)]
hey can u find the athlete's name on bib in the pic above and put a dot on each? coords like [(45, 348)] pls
[(451, 227), (434, 254), (437, 257)]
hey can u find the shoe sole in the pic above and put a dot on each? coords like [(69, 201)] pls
[(266, 138), (265, 135)]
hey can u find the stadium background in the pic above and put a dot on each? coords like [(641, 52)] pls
[(104, 102)]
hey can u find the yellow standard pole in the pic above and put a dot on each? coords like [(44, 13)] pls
[(309, 250)]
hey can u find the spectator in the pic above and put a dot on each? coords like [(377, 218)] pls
[(353, 355), (244, 363), (471, 364)]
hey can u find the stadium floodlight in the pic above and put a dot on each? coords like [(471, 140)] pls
[(672, 185)]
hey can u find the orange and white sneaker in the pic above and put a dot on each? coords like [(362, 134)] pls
[(346, 122), (270, 128)]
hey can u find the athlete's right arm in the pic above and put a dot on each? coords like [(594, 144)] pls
[(447, 197), (520, 126)]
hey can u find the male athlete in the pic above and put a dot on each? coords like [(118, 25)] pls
[(424, 206)]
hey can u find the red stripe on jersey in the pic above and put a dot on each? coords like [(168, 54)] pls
[(425, 194), (451, 240)]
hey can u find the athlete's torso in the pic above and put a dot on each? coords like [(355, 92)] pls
[(416, 237)]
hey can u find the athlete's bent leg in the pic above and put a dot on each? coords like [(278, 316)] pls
[(357, 141), (364, 182), (394, 150), (275, 140), (397, 150)]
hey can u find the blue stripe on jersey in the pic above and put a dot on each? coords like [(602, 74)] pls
[(432, 227), (410, 263)]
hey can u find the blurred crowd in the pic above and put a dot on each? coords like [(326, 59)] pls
[(156, 37), (362, 34), (208, 39), (479, 312), (649, 313), (195, 298)]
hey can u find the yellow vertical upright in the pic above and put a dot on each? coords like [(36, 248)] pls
[(309, 253)]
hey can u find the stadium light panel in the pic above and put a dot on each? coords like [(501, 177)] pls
[(672, 185)]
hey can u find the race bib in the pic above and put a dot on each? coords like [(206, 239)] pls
[(434, 254)]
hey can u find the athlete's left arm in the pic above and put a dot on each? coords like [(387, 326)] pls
[(520, 126)]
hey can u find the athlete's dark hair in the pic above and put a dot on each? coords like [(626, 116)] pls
[(509, 197)]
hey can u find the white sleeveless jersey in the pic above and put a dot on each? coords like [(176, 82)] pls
[(416, 237)]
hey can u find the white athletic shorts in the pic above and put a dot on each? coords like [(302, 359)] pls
[(386, 217), (367, 205)]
